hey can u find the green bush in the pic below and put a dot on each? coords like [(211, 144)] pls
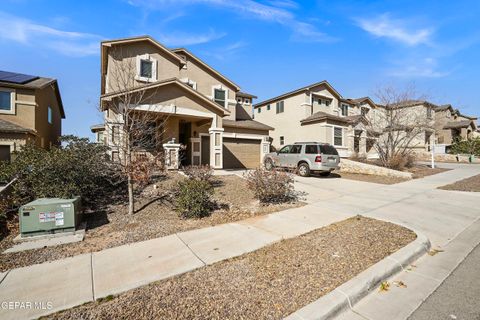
[(470, 146), (77, 168), (271, 186), (194, 198)]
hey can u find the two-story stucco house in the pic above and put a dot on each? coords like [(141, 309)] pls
[(199, 108), (317, 112), (451, 125), (31, 111)]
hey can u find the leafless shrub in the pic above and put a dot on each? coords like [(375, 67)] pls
[(272, 186), (201, 173)]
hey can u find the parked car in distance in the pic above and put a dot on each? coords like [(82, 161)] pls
[(306, 157)]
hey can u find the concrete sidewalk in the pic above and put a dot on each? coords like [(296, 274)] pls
[(49, 287)]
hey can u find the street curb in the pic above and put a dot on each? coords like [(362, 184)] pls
[(351, 292)]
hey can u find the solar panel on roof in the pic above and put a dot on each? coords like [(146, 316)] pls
[(18, 78)]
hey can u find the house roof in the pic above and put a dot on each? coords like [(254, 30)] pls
[(459, 124), (412, 103), (297, 91), (9, 127), (245, 95), (109, 43), (246, 124), (444, 107), (185, 51), (97, 127), (358, 101), (162, 83), (38, 83), (323, 116)]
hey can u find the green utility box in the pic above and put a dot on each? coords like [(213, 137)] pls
[(49, 215)]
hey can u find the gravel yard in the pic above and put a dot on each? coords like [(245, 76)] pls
[(471, 184), (371, 178), (234, 201), (269, 283)]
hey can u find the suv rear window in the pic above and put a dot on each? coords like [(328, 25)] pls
[(328, 149), (311, 149)]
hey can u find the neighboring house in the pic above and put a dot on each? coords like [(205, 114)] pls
[(318, 113), (418, 114), (204, 110), (451, 125), (31, 111)]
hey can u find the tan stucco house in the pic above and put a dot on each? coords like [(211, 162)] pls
[(452, 125), (317, 112), (31, 111), (198, 107)]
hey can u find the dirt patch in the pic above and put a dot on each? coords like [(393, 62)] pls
[(269, 283), (422, 171), (471, 184), (158, 218), (372, 178)]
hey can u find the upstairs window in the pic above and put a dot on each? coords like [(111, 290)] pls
[(247, 101), (6, 100), (220, 97), (364, 111), (282, 141), (259, 110), (280, 106), (344, 108), (50, 115), (327, 102), (268, 107), (429, 113), (146, 68)]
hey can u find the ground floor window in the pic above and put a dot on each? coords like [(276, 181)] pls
[(337, 136)]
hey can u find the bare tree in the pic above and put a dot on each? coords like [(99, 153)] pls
[(402, 123), (135, 129)]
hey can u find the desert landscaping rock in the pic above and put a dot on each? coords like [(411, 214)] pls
[(269, 283), (114, 228)]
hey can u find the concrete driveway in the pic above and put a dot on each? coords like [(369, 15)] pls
[(439, 214)]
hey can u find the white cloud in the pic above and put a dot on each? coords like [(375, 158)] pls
[(276, 12), (227, 52), (399, 30), (184, 39), (27, 32), (419, 68)]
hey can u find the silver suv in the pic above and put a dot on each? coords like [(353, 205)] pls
[(306, 157)]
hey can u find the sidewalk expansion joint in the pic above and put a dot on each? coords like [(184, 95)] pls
[(204, 263), (5, 276), (91, 274), (348, 299)]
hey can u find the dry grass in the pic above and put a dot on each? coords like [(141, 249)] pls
[(269, 283), (471, 184), (422, 171), (115, 227), (372, 178)]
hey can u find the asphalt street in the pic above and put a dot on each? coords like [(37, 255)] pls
[(458, 297)]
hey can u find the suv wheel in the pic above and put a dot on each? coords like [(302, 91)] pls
[(303, 170), (269, 164)]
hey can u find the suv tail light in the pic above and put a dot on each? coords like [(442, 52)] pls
[(318, 159)]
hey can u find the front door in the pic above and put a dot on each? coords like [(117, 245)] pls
[(184, 134)]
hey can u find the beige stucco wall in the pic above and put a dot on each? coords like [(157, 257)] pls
[(31, 112), (122, 58)]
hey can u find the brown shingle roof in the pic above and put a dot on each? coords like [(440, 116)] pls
[(246, 95), (320, 116), (458, 124), (246, 124), (7, 126)]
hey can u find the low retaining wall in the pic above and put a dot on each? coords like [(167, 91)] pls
[(350, 166), (445, 157)]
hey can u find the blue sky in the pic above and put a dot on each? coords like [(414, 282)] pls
[(267, 47)]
